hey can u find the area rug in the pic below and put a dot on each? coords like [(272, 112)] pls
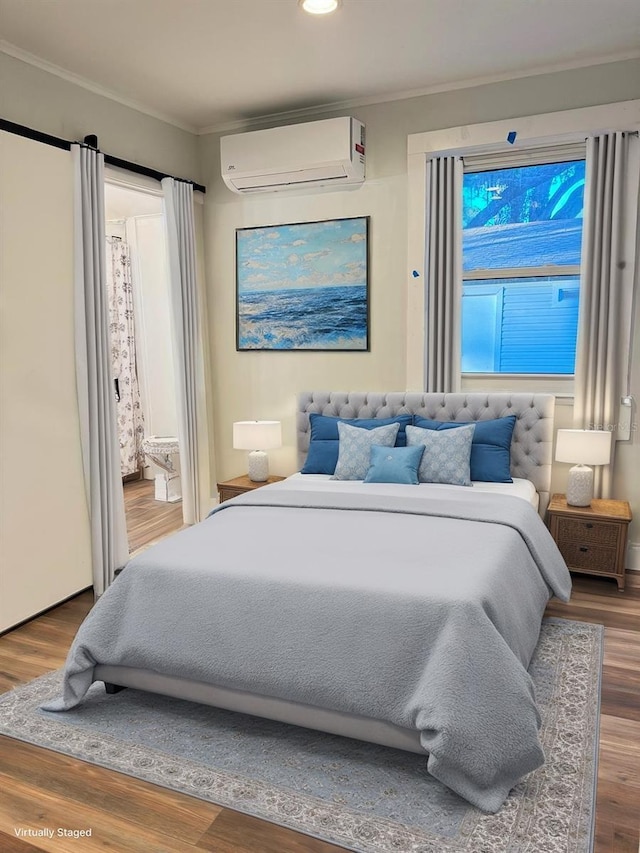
[(362, 797)]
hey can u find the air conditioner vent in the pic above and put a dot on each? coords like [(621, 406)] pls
[(312, 154)]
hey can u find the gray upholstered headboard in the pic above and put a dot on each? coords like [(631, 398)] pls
[(531, 446)]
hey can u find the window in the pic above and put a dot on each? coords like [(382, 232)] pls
[(521, 241)]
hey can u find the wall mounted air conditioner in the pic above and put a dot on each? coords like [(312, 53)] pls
[(313, 154)]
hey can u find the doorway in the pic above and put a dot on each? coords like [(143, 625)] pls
[(142, 359)]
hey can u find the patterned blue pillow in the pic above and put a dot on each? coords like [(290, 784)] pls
[(355, 448), (394, 465), (491, 448), (447, 454)]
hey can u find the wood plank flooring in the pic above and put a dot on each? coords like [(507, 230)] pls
[(148, 520), (42, 788), (618, 794)]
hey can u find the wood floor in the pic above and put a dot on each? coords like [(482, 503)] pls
[(618, 795), (40, 788), (148, 519)]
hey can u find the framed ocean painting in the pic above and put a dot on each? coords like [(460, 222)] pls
[(303, 286)]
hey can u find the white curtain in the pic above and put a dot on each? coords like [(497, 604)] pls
[(444, 274), (187, 338), (96, 399), (124, 368), (606, 286)]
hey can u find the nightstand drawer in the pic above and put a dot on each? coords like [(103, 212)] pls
[(226, 493), (589, 557), (241, 485), (589, 532)]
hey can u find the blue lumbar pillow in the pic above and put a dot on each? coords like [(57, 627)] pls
[(394, 464), (490, 449)]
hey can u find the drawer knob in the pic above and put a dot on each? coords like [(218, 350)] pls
[(582, 548), (588, 525)]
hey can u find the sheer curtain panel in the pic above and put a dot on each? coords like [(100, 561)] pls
[(187, 339), (444, 274), (96, 400), (606, 286)]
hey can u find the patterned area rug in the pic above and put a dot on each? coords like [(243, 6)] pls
[(366, 798)]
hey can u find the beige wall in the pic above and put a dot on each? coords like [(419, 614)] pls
[(44, 527), (41, 483), (42, 101), (150, 275), (264, 385)]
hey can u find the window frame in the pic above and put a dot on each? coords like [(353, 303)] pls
[(533, 131)]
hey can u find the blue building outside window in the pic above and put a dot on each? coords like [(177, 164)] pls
[(521, 242)]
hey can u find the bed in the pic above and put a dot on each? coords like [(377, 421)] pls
[(397, 614)]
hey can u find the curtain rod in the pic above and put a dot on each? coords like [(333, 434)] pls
[(56, 142)]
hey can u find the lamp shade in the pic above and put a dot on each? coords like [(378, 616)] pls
[(257, 435), (584, 446)]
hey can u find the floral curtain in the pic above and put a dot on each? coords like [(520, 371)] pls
[(123, 356)]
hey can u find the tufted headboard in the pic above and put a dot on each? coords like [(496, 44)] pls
[(531, 446)]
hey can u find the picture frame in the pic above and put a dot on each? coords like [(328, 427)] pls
[(303, 286)]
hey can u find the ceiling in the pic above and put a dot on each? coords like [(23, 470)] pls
[(207, 64)]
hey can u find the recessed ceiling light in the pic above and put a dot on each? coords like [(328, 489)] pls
[(319, 7)]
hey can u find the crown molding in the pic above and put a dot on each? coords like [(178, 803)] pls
[(470, 83), (84, 83), (304, 112)]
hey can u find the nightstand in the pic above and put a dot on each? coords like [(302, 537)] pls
[(592, 539), (240, 485)]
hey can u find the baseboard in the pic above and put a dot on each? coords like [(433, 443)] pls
[(633, 557), (632, 578), (46, 610), (632, 581)]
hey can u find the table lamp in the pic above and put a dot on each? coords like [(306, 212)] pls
[(586, 447), (257, 436)]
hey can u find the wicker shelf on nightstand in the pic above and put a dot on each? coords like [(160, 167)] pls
[(592, 539), (239, 485)]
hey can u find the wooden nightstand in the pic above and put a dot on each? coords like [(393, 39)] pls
[(240, 485), (592, 539)]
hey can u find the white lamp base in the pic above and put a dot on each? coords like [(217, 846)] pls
[(258, 466), (580, 486)]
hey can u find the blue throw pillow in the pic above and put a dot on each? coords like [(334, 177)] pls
[(490, 450), (322, 456), (447, 454), (394, 464), (355, 449)]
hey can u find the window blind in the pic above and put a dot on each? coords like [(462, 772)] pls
[(510, 159)]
